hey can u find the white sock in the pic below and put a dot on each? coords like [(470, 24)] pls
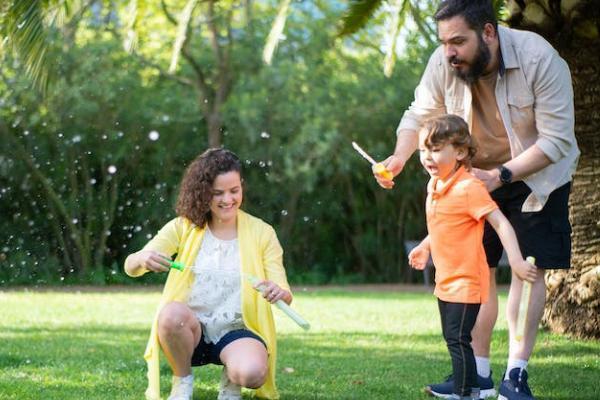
[(186, 379), (483, 366), (227, 389), (514, 363), (182, 379)]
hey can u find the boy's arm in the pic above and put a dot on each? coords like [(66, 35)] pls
[(506, 233), (418, 257)]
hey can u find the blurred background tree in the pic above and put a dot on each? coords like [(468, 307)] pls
[(95, 135)]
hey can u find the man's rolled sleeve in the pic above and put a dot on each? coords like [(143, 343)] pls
[(554, 112), (429, 96)]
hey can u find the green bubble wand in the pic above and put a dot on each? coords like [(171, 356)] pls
[(177, 265)]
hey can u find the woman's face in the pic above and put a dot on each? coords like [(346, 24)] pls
[(227, 196)]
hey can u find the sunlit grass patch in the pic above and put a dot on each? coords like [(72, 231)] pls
[(362, 345)]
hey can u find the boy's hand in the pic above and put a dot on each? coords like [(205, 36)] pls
[(418, 257), (524, 270)]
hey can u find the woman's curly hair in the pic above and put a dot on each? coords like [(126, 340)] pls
[(451, 129), (195, 192)]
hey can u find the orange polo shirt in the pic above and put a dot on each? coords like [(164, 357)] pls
[(456, 211)]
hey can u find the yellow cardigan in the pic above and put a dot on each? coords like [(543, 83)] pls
[(260, 255)]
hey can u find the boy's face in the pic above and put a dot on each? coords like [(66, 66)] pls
[(439, 161)]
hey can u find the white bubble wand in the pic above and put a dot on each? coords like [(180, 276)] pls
[(524, 306), (282, 305)]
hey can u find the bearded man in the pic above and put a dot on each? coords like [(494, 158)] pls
[(515, 93)]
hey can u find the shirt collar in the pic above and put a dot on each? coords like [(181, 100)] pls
[(438, 188), (508, 56)]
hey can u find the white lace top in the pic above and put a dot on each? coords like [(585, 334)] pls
[(215, 297)]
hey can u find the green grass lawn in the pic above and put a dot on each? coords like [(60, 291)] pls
[(362, 345)]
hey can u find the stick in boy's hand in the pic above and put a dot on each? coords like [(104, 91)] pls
[(524, 306), (282, 305)]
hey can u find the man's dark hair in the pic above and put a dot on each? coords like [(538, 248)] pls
[(476, 13)]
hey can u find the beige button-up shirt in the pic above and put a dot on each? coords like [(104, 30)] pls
[(534, 97)]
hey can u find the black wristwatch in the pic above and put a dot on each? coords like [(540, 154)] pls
[(505, 175)]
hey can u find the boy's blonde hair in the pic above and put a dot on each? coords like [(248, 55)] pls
[(451, 129)]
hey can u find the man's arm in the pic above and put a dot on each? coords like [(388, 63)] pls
[(554, 119), (406, 144), (528, 162), (429, 101)]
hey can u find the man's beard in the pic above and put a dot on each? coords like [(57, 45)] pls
[(477, 68)]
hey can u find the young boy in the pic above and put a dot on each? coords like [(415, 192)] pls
[(457, 207)]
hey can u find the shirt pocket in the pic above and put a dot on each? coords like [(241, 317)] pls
[(522, 116)]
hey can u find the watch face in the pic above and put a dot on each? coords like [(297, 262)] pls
[(505, 175)]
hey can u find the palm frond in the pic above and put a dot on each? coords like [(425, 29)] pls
[(357, 15), (25, 33)]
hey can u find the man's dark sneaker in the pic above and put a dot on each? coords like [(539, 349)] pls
[(515, 387), (445, 389)]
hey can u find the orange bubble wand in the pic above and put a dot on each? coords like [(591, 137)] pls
[(378, 168)]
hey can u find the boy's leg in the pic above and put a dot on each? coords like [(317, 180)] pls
[(458, 321), (484, 326)]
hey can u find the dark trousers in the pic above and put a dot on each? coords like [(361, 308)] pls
[(458, 320)]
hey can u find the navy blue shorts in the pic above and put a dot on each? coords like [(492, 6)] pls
[(545, 235), (209, 353)]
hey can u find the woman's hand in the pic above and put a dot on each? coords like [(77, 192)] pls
[(153, 260), (272, 292)]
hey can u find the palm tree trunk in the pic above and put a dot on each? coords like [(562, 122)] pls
[(573, 305), (574, 295)]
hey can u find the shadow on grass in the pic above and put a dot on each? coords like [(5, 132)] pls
[(105, 362)]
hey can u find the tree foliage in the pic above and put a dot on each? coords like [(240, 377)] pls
[(90, 171)]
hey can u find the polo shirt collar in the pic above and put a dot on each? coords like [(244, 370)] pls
[(438, 188)]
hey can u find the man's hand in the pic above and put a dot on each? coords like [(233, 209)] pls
[(491, 178), (393, 164)]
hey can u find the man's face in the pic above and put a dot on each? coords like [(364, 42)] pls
[(465, 50)]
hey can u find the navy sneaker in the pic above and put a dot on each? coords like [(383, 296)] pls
[(445, 389), (515, 387)]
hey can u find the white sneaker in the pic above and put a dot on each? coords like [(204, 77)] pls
[(227, 389), (182, 388)]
